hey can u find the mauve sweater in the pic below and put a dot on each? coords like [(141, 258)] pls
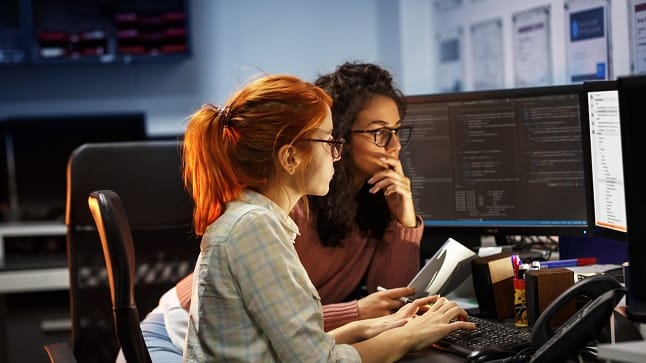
[(337, 271)]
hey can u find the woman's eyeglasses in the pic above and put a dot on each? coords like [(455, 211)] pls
[(336, 146), (383, 135)]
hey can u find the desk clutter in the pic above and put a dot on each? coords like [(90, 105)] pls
[(541, 313), (497, 279)]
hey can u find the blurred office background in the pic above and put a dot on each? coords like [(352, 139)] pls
[(231, 41), (422, 42)]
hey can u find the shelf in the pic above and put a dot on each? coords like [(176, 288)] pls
[(34, 32), (32, 273), (28, 229), (44, 279)]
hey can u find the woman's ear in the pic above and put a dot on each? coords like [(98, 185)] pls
[(289, 158)]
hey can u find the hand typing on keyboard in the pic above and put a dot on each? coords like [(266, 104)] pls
[(488, 333), (440, 319)]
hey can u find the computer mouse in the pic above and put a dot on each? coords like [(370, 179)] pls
[(487, 354)]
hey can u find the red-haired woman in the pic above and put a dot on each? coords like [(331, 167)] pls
[(247, 164)]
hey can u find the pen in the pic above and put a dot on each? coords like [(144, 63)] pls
[(516, 263), (569, 262), (403, 299)]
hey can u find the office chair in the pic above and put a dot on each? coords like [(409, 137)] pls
[(119, 252), (146, 175)]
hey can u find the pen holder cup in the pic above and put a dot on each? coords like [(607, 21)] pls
[(520, 304)]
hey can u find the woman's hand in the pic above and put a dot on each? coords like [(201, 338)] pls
[(397, 190), (382, 303), (440, 319), (359, 330), (418, 306)]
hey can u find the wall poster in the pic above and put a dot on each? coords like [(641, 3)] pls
[(450, 66), (487, 55), (637, 14), (532, 47), (588, 42)]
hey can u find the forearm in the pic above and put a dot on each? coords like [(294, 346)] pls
[(407, 234), (347, 334), (388, 346), (408, 219), (336, 315)]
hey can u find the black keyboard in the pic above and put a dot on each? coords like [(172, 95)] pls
[(488, 333)]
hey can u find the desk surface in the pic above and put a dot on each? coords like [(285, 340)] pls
[(624, 352), (431, 355)]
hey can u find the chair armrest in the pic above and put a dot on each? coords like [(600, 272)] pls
[(59, 353)]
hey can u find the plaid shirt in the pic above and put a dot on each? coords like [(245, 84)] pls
[(252, 299)]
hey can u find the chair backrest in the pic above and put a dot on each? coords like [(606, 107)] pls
[(111, 222), (147, 177)]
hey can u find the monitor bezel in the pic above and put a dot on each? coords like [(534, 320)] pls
[(631, 105), (491, 227)]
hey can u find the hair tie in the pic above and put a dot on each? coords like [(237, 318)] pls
[(224, 113)]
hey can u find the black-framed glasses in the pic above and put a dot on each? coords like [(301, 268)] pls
[(383, 135), (336, 146)]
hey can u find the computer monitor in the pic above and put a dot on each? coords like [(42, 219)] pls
[(39, 148), (603, 161), (501, 162), (603, 171), (632, 93)]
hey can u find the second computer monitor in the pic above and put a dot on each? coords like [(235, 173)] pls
[(498, 162), (603, 160), (40, 147), (632, 93)]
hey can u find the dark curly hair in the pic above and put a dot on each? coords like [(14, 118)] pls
[(351, 86)]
